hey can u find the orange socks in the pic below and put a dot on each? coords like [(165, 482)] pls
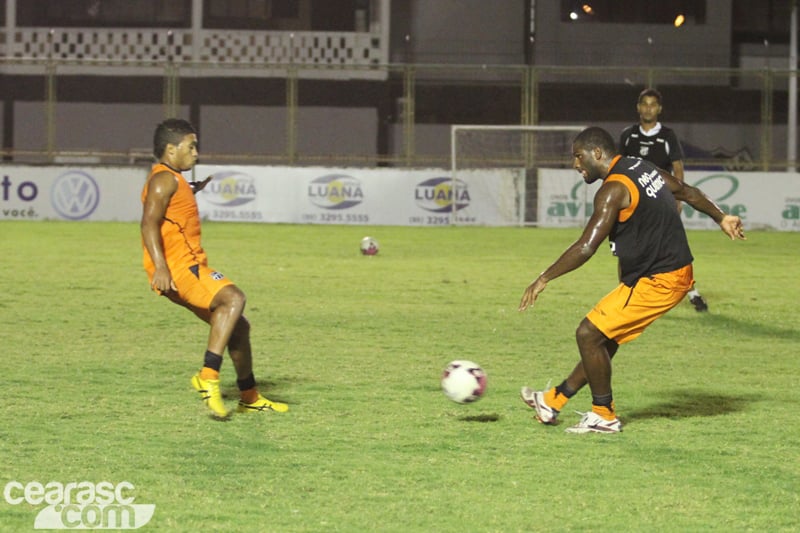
[(555, 399), (604, 411), (247, 389), (209, 373), (558, 400), (249, 395)]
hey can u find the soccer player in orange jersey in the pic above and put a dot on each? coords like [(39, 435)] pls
[(635, 210), (178, 268)]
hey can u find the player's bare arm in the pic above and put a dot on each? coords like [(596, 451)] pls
[(731, 225), (161, 188), (609, 200), (677, 171)]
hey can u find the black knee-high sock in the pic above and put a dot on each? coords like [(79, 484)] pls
[(565, 389), (212, 361), (247, 383)]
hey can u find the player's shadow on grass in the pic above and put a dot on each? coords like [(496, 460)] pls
[(691, 404), (735, 326)]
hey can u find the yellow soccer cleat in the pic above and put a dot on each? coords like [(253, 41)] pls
[(211, 396), (261, 404)]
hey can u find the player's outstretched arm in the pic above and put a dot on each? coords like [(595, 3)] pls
[(730, 224), (607, 203), (532, 292), (733, 228)]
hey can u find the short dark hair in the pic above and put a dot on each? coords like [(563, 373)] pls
[(596, 137), (171, 131), (655, 93)]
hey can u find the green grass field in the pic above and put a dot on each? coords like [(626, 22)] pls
[(96, 385)]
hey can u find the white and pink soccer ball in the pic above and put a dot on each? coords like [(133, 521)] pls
[(464, 381), (369, 246)]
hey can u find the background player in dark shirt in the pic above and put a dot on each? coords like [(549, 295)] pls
[(654, 142)]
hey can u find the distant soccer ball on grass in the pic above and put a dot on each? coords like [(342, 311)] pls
[(369, 246), (463, 381)]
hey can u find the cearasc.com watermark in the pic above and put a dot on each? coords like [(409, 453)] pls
[(81, 505)]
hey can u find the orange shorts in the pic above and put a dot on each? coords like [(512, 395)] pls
[(197, 286), (625, 312)]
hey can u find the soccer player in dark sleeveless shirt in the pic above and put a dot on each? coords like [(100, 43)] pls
[(654, 142), (635, 209)]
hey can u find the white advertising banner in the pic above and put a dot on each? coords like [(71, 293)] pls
[(764, 200), (65, 193), (564, 199), (316, 195), (427, 197)]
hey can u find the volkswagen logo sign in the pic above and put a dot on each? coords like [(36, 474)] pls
[(75, 195)]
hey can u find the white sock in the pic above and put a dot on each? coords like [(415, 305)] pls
[(693, 293)]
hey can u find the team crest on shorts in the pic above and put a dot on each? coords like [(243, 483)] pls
[(217, 275)]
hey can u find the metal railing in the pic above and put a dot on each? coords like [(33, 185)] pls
[(727, 118)]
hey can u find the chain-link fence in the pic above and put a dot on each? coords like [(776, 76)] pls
[(398, 115)]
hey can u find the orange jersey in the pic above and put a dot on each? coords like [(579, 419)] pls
[(180, 230)]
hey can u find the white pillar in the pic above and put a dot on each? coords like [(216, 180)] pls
[(791, 127), (11, 25), (197, 28)]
